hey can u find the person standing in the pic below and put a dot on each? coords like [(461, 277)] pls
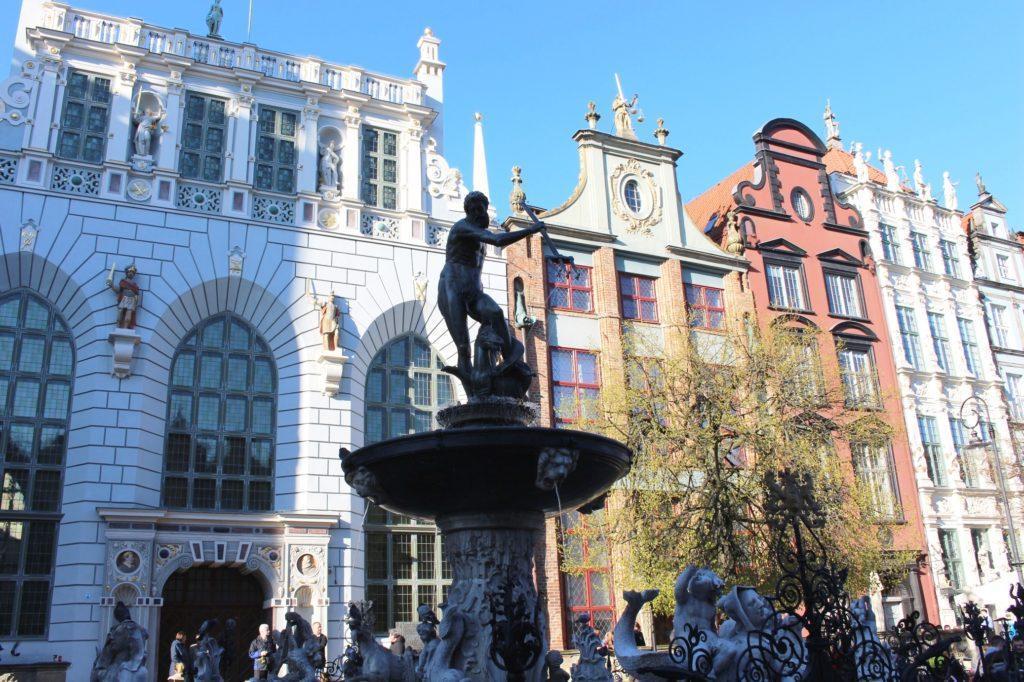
[(260, 651), (180, 660), (321, 647), (638, 635)]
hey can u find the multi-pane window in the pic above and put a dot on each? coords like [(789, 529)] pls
[(922, 258), (405, 564), (83, 123), (890, 244), (639, 298), (807, 381), (569, 287), (932, 449), (983, 559), (970, 345), (964, 455), (940, 339), (1003, 266), (380, 168), (36, 367), (576, 384), (785, 286), (587, 590), (843, 294), (860, 382), (874, 469), (1015, 394), (275, 150), (219, 452), (909, 336), (706, 307), (951, 563), (405, 388), (997, 314), (202, 138), (950, 259)]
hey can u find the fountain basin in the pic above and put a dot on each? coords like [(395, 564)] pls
[(483, 470)]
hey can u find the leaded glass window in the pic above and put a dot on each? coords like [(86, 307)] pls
[(83, 122), (36, 367), (380, 168), (275, 150), (588, 585), (202, 138), (221, 407), (405, 388)]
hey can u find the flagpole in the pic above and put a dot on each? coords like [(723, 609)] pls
[(248, 29)]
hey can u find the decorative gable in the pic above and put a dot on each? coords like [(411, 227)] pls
[(841, 257), (782, 246)]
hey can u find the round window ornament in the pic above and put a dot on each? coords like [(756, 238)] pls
[(801, 202), (127, 562), (633, 196)]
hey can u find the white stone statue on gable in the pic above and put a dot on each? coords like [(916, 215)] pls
[(892, 176), (860, 162), (213, 19), (920, 186), (949, 191)]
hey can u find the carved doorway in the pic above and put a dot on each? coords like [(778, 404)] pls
[(203, 593)]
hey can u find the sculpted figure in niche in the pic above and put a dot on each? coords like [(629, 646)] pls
[(330, 162), (129, 297), (147, 122), (460, 291)]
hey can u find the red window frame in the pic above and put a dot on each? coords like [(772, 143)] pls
[(636, 297), (704, 307), (575, 384), (570, 286), (573, 611)]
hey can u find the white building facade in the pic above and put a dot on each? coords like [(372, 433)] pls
[(936, 322), (188, 466)]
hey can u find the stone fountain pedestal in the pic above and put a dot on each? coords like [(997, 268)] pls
[(488, 481)]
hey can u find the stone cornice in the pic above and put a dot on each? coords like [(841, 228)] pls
[(213, 518)]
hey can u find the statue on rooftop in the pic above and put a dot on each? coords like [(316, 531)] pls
[(624, 110), (460, 296), (980, 183), (213, 19), (860, 162), (892, 177), (831, 124), (949, 191)]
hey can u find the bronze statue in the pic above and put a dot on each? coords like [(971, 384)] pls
[(461, 296)]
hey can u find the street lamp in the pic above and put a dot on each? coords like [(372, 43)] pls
[(971, 417)]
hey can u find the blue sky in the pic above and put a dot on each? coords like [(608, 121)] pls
[(940, 81)]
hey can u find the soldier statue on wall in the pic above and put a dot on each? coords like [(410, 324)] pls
[(460, 296), (129, 296)]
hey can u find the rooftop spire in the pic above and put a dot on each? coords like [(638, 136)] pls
[(480, 183), (833, 141)]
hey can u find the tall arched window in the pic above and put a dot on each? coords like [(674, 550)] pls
[(405, 388), (219, 452), (36, 367)]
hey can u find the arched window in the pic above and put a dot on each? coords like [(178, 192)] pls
[(219, 452), (36, 367), (405, 388)]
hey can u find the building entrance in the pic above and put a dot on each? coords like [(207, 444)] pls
[(203, 593)]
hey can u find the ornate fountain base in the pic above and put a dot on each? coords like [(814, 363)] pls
[(491, 554), (488, 481)]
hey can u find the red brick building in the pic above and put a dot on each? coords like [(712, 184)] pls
[(641, 265), (811, 266)]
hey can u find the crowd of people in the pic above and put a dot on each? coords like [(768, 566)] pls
[(261, 652)]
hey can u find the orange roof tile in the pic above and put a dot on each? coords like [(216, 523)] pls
[(717, 200)]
